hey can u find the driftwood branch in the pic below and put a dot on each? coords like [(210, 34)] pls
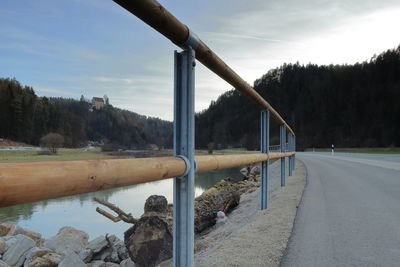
[(126, 217), (108, 215)]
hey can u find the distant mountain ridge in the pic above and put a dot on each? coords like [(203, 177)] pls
[(25, 117), (346, 105)]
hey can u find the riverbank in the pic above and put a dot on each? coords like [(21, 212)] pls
[(248, 237), (79, 211), (251, 237)]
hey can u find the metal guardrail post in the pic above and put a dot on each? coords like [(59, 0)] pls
[(294, 150), (264, 164), (183, 216), (290, 141), (283, 148)]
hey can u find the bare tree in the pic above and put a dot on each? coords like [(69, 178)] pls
[(52, 141), (106, 100)]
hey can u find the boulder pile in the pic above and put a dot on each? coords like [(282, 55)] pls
[(69, 248)]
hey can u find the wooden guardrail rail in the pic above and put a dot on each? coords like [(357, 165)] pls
[(28, 182)]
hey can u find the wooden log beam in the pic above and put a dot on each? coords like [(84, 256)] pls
[(29, 182)]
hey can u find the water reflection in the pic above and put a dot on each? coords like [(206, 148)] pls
[(207, 180), (48, 216)]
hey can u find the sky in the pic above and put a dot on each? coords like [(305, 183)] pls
[(95, 47)]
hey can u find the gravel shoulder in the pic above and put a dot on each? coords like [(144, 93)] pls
[(251, 237)]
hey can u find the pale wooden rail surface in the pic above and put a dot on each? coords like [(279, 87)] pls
[(29, 182)]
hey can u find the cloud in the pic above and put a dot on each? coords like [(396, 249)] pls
[(42, 91), (131, 80), (95, 47), (267, 34), (224, 35)]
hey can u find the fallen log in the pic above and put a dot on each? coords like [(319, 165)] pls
[(149, 240), (224, 196)]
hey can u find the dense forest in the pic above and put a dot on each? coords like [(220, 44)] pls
[(25, 117), (346, 105)]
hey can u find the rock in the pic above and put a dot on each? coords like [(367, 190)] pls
[(113, 238), (255, 170), (6, 229), (3, 264), (34, 235), (114, 257), (103, 255), (96, 264), (127, 263), (36, 252), (71, 260), (149, 241), (9, 242), (245, 171), (111, 264), (102, 264), (41, 257), (108, 253), (251, 170), (3, 246), (86, 255), (155, 203), (67, 239), (15, 255), (221, 217), (121, 250), (97, 244)]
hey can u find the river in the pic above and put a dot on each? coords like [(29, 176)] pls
[(47, 217)]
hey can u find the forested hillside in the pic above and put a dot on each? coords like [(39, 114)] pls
[(347, 105), (26, 117)]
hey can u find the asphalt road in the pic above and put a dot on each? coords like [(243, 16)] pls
[(350, 212)]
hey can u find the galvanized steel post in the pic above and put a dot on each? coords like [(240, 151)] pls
[(283, 149), (294, 150), (183, 216), (290, 141), (264, 165)]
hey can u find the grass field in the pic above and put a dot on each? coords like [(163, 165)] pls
[(62, 155), (383, 150)]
